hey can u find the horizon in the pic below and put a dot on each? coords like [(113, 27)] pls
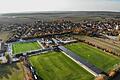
[(21, 6), (55, 12)]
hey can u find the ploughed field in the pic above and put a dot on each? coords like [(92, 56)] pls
[(11, 72), (94, 55), (22, 47), (57, 66)]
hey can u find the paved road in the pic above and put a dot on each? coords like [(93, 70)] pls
[(81, 60), (55, 41)]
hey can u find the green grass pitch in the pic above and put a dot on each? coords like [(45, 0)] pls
[(57, 66), (11, 72), (93, 55), (24, 47)]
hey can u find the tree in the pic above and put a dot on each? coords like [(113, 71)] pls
[(119, 37), (0, 61), (8, 57)]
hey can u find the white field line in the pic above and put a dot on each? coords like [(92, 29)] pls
[(40, 44), (82, 65)]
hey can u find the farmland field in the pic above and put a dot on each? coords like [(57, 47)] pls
[(57, 66), (93, 55), (11, 72), (24, 47)]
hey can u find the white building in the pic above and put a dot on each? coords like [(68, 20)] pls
[(117, 27), (2, 49)]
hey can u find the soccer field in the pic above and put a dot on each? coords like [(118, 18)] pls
[(57, 66), (24, 47), (108, 44), (11, 72), (93, 55)]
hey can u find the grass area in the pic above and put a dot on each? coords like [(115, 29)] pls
[(5, 35), (93, 55), (11, 72), (112, 45), (24, 47), (57, 66)]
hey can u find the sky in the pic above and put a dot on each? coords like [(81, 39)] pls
[(14, 6)]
